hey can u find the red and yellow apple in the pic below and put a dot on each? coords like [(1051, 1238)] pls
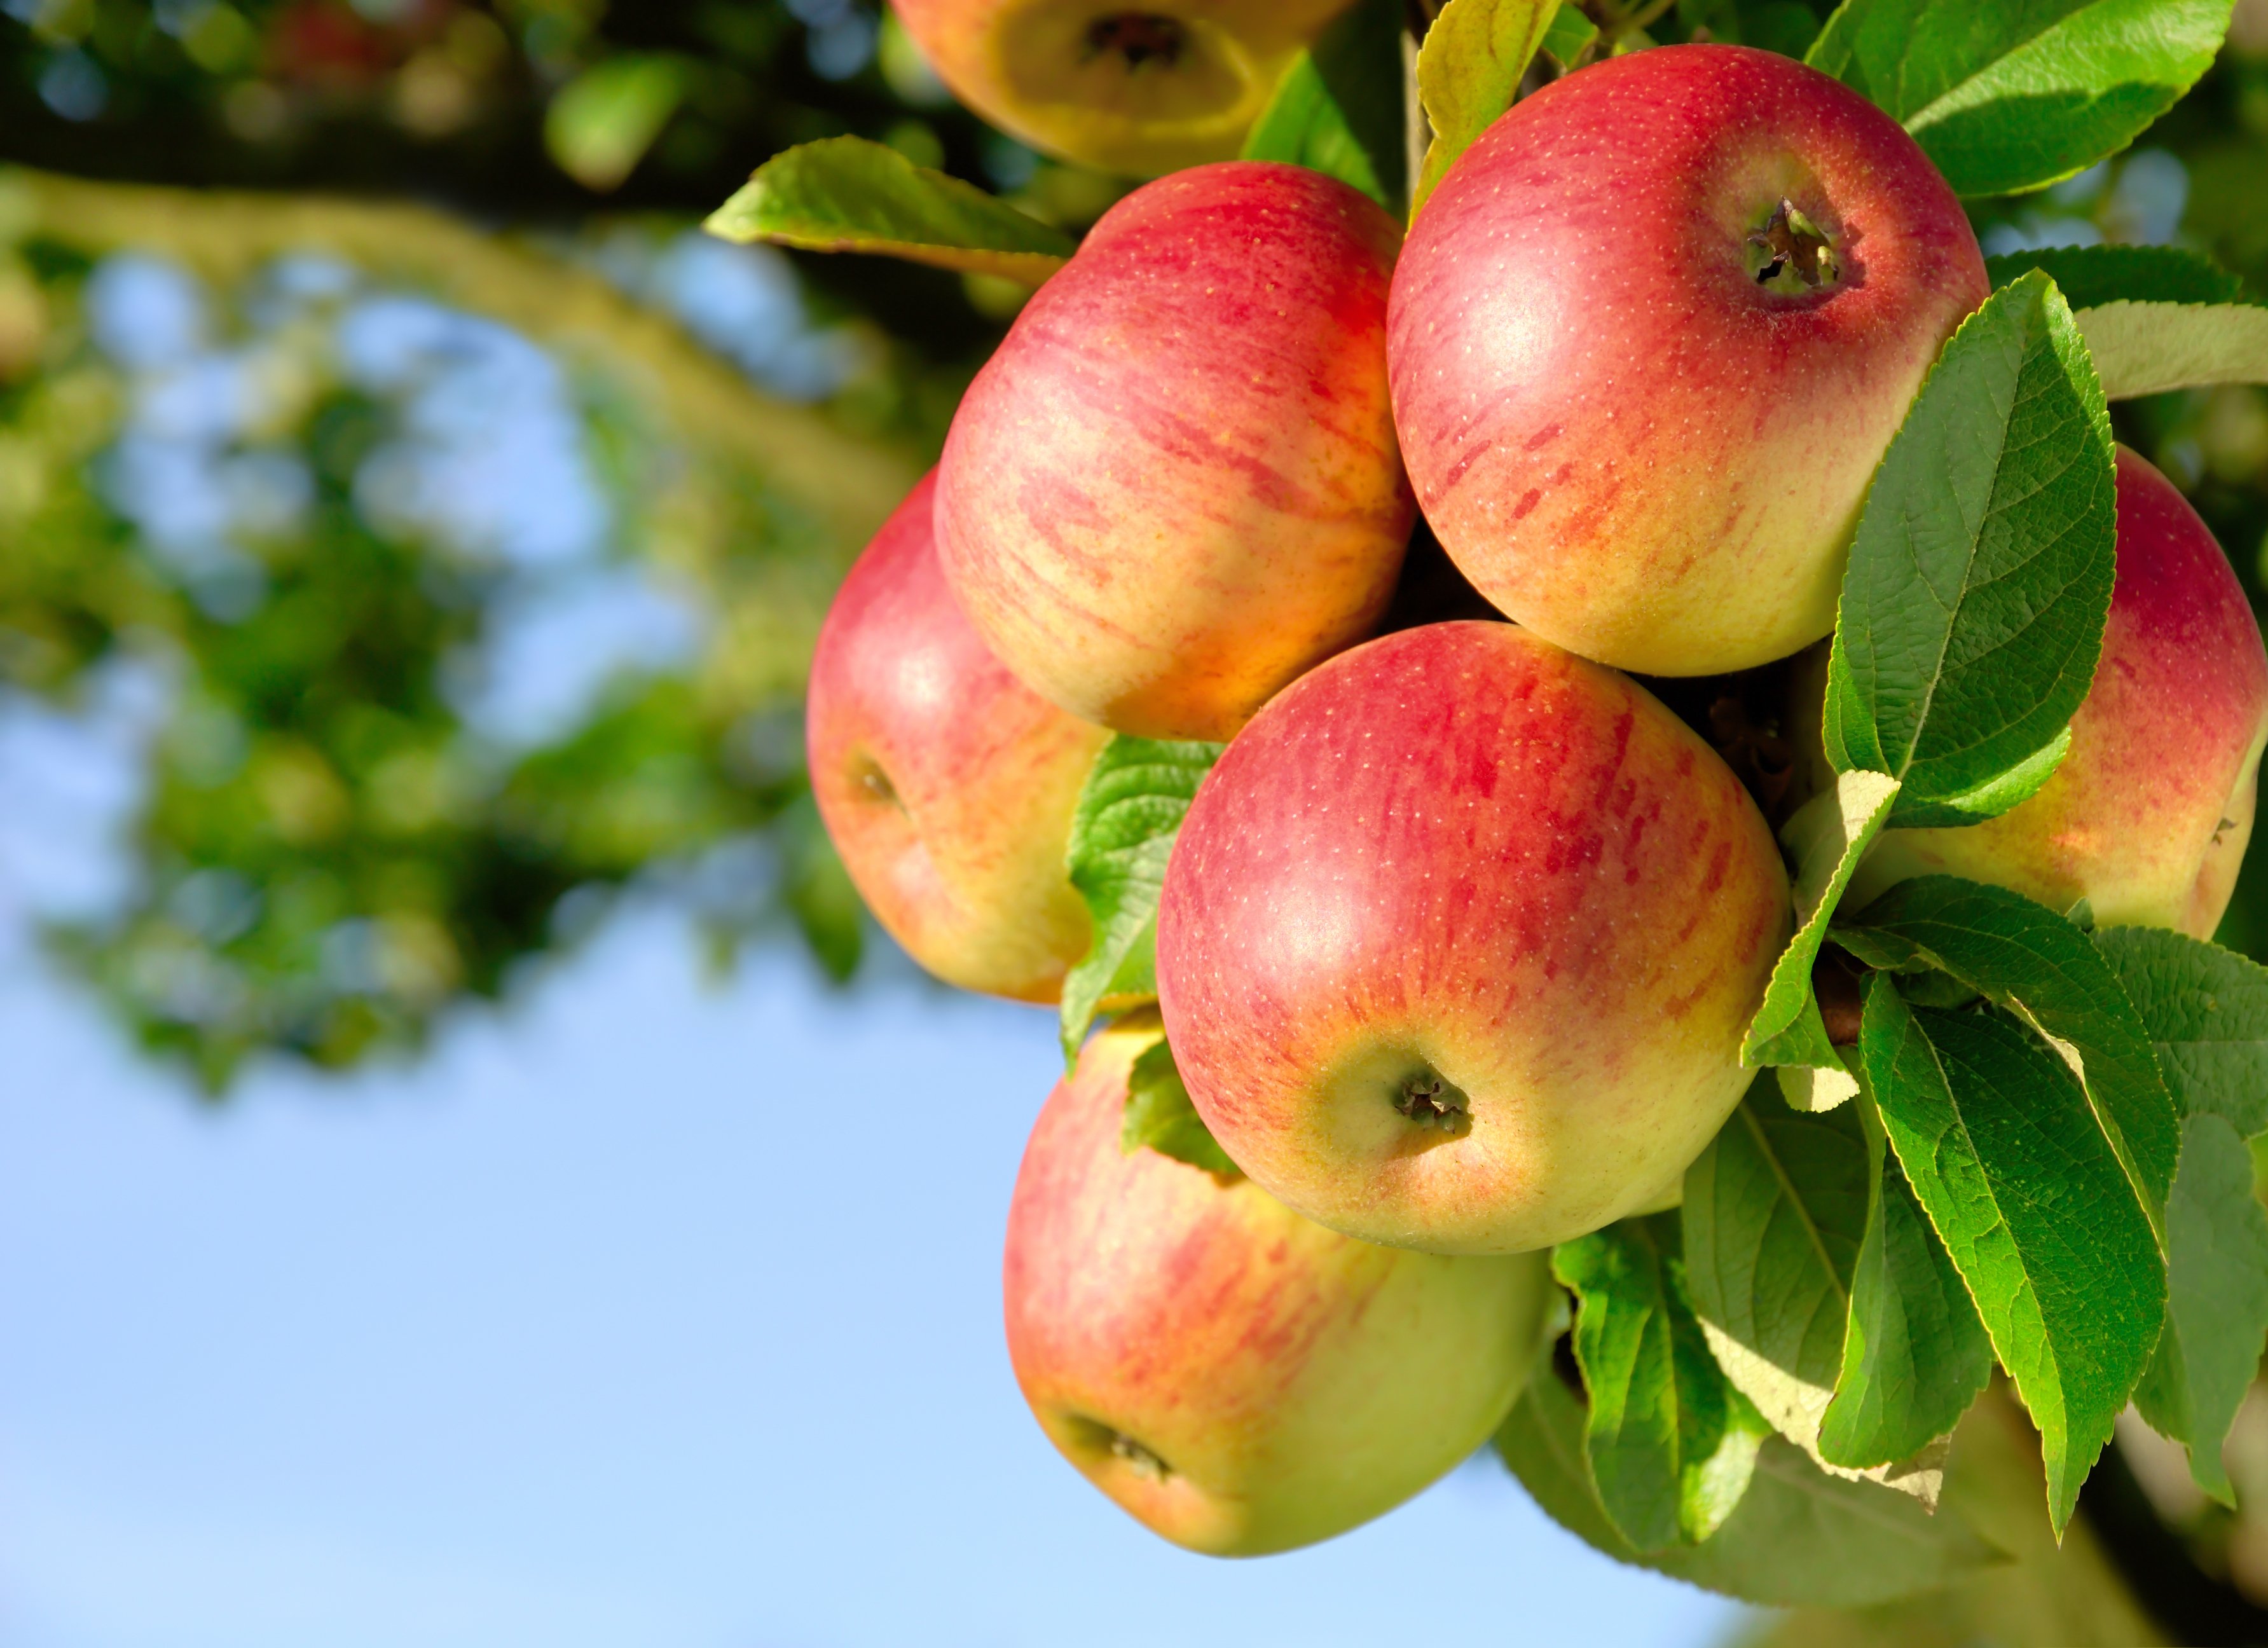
[(1459, 939), (1238, 1378), (1141, 89), (946, 784), (2148, 815), (1175, 486), (1650, 337)]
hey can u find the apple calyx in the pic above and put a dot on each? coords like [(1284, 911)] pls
[(877, 785), (1138, 1459), (1139, 36), (1432, 1101), (1792, 254)]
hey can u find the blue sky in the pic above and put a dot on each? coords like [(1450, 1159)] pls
[(652, 1312)]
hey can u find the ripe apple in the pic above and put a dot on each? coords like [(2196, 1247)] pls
[(946, 785), (1175, 486), (1650, 337), (1238, 1378), (1139, 89), (2148, 816), (1459, 939)]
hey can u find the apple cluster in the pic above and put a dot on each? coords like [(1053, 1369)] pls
[(1460, 934)]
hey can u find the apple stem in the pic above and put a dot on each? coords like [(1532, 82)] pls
[(1139, 36)]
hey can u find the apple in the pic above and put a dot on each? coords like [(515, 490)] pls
[(1174, 486), (1650, 337), (946, 786), (1238, 1378), (1142, 89), (2148, 816), (1459, 939)]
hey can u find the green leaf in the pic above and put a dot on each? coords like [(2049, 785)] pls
[(1568, 35), (1122, 831), (1338, 107), (2143, 349), (1972, 612), (2011, 96), (1161, 1117), (848, 195), (1914, 1355), (2205, 1010), (2217, 1300), (1469, 73), (1671, 1443), (600, 123), (2090, 276), (1995, 1135), (1828, 835), (1798, 1538), (2044, 969)]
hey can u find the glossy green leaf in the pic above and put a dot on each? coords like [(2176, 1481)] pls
[(1829, 835), (2090, 276), (1469, 73), (849, 195), (1914, 1355), (1996, 1137), (1798, 1538), (1160, 1115), (2217, 1300), (2205, 1011), (2143, 349), (1338, 107), (1568, 35), (1122, 831), (1972, 611), (2014, 94), (2044, 970), (1671, 1442)]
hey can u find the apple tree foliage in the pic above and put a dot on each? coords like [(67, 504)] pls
[(2023, 1145)]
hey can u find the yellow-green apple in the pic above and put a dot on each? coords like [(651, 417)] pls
[(1141, 89), (1459, 940), (2148, 816), (1238, 1378), (1174, 486), (1650, 337), (947, 784)]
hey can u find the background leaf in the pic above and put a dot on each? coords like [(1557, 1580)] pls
[(603, 120), (2217, 1300), (2205, 1011), (1799, 1537), (1670, 1442), (1122, 831), (2007, 97), (1160, 1115), (2143, 349), (2090, 276), (1469, 73), (1914, 1355), (1568, 35), (849, 195), (2030, 960), (1972, 612), (1338, 108), (1829, 835), (1997, 1139)]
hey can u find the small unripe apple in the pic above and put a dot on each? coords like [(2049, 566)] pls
[(1459, 939), (1142, 89), (1175, 486), (1236, 1377), (2148, 815), (1652, 335), (946, 784)]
